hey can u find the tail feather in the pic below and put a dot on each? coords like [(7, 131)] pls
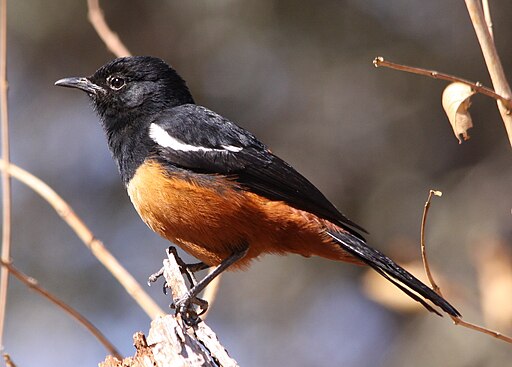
[(392, 272)]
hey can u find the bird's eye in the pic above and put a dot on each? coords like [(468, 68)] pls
[(116, 82)]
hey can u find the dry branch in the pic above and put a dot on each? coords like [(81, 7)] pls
[(172, 343), (487, 15), (456, 320), (481, 19), (492, 60), (96, 246), (476, 86), (6, 180)]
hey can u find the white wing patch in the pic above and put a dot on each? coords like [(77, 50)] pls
[(162, 138), (231, 148)]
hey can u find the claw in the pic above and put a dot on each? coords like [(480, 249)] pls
[(185, 307), (154, 277)]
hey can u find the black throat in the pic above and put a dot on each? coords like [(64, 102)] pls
[(129, 144)]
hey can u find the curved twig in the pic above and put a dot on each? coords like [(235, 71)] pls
[(435, 287), (430, 277)]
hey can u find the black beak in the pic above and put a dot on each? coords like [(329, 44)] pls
[(80, 83)]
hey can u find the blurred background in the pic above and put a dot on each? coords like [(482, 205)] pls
[(300, 76)]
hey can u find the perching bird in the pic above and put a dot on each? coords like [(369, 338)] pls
[(211, 187)]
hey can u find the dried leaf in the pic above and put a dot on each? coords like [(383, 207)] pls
[(456, 103)]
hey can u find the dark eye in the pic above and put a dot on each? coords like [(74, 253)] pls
[(116, 82)]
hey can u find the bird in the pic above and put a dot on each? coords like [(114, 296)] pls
[(211, 187)]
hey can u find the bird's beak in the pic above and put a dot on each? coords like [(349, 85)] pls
[(80, 83)]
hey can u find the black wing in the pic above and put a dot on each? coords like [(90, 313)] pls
[(213, 144)]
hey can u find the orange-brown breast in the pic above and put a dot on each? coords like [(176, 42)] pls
[(210, 217)]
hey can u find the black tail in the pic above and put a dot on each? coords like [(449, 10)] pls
[(392, 272)]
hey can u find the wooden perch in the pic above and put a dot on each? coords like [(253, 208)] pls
[(172, 343)]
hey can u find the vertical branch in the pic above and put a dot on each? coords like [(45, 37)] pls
[(6, 180), (488, 19), (492, 60)]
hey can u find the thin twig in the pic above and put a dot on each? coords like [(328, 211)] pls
[(33, 284), (96, 246), (488, 19), (495, 334), (111, 40), (6, 180), (477, 87), (492, 60), (435, 287), (422, 240)]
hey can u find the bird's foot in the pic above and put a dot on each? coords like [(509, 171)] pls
[(190, 307), (186, 308)]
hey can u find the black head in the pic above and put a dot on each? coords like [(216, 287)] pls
[(127, 88)]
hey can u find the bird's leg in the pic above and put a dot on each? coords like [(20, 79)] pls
[(187, 269), (195, 267), (192, 269), (183, 305)]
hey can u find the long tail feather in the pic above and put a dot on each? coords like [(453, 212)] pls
[(393, 272)]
